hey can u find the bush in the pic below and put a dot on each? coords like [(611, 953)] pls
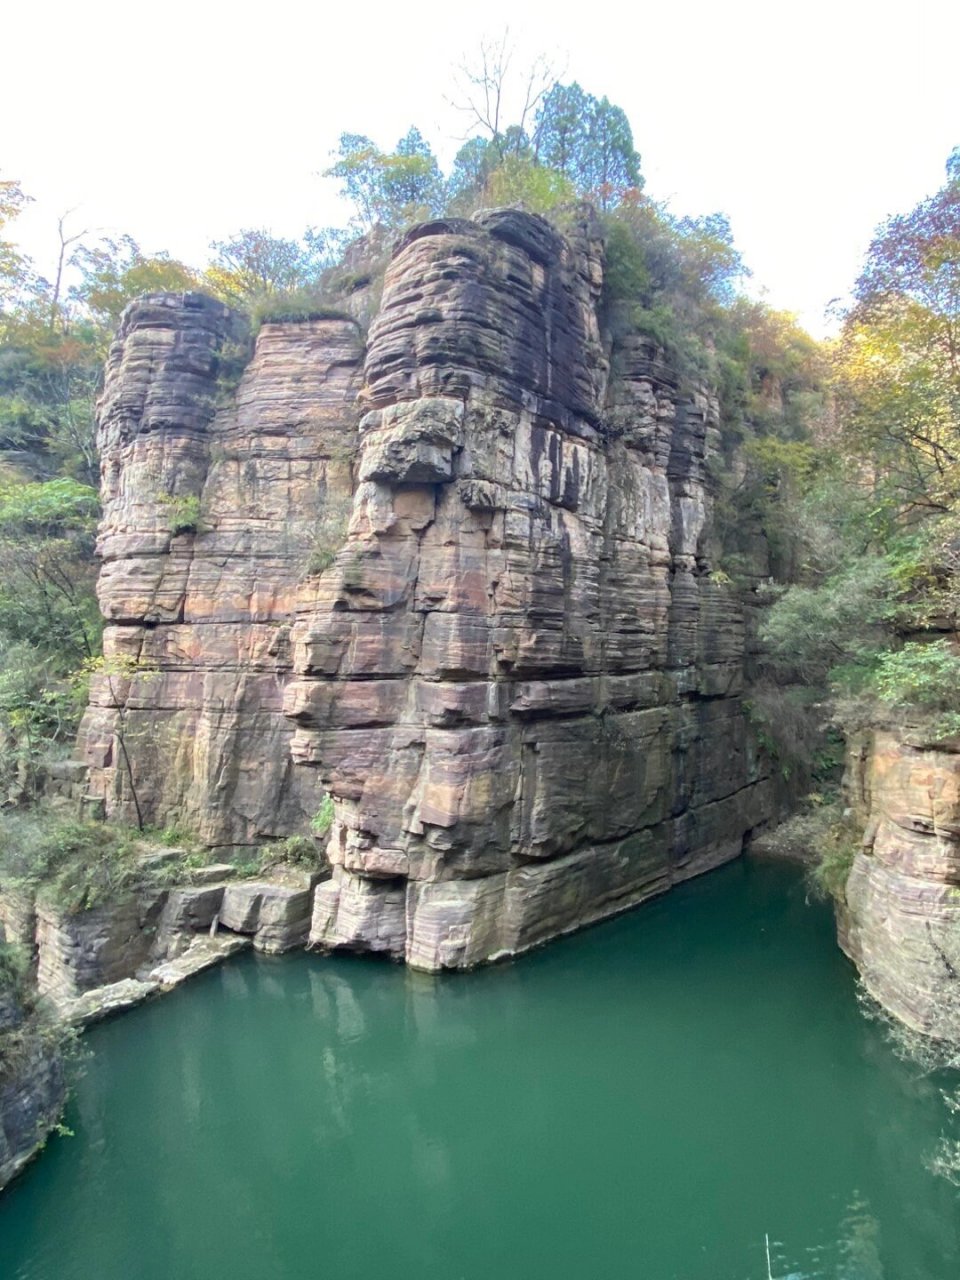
[(923, 674), (14, 966), (329, 537), (183, 513), (72, 864), (295, 306), (322, 820), (824, 836)]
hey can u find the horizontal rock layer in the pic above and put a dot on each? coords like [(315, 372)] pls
[(215, 499), (509, 667), (32, 1096), (900, 921), (517, 680)]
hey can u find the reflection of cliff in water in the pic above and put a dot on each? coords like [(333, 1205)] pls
[(655, 1094)]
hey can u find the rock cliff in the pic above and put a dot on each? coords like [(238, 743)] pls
[(457, 578), (900, 921), (212, 497), (32, 1086)]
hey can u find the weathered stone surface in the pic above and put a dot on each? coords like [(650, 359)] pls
[(900, 922), (517, 680), (277, 915), (104, 1002), (214, 503), (31, 1099), (202, 954), (85, 949), (509, 667)]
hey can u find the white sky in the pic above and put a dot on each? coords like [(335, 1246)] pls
[(183, 121)]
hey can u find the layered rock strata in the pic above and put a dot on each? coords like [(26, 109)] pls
[(518, 681), (32, 1089), (510, 667), (215, 499), (32, 1096), (900, 921)]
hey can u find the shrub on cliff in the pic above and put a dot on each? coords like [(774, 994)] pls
[(72, 864)]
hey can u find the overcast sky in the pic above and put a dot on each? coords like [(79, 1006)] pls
[(184, 121)]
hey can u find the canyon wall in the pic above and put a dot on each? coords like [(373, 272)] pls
[(458, 580), (32, 1086), (213, 499), (900, 918)]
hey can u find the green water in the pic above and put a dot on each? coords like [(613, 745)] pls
[(648, 1099)]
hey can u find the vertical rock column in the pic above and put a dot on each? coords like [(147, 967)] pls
[(220, 489), (502, 677)]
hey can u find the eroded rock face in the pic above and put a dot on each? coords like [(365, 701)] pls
[(510, 667), (215, 500), (517, 680), (900, 923), (32, 1096)]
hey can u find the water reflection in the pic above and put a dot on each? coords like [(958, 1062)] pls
[(648, 1099)]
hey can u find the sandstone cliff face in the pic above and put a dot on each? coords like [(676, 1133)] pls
[(515, 676), (213, 502), (31, 1100), (900, 923), (32, 1088)]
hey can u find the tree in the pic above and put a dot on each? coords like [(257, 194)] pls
[(14, 266), (898, 360), (492, 92), (49, 620), (254, 264), (113, 272), (561, 132), (589, 141), (472, 166), (387, 188)]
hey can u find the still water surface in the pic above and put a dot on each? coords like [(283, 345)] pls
[(648, 1099)]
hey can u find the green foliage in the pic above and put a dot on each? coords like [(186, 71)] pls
[(183, 512), (791, 725), (114, 271), (520, 181), (923, 675), (322, 820), (14, 968), (589, 142), (302, 852), (49, 619), (254, 265), (295, 305), (329, 537), (72, 864), (387, 187)]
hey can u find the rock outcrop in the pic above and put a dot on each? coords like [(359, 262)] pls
[(32, 1095), (215, 500), (32, 1087), (509, 665), (900, 921)]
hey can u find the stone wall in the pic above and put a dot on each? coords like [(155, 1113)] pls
[(900, 922), (509, 664), (186, 720)]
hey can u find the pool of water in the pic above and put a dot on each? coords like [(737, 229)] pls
[(652, 1098)]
